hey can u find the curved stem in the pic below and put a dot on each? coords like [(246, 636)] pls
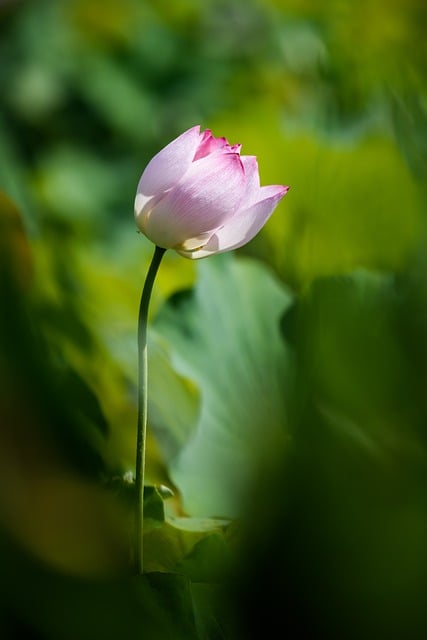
[(142, 406)]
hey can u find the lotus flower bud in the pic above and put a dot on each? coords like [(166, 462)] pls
[(199, 196)]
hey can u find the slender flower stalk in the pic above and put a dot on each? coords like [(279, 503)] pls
[(200, 197), (142, 406)]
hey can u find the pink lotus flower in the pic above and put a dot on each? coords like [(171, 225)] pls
[(200, 197)]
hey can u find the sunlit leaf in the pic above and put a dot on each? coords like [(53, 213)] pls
[(352, 202), (224, 337)]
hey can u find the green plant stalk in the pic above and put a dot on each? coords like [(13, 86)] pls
[(142, 407)]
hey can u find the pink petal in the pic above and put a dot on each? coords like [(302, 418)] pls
[(253, 189), (235, 148), (209, 144), (170, 164), (209, 193), (243, 226)]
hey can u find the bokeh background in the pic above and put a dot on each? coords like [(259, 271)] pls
[(287, 380)]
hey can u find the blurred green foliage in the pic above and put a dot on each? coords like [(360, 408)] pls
[(288, 389)]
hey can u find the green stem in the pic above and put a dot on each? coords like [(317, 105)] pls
[(142, 406)]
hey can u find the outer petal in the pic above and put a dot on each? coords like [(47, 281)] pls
[(210, 192), (253, 188), (141, 203), (170, 164), (143, 206), (243, 226)]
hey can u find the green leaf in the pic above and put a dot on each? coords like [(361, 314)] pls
[(169, 547), (224, 337), (350, 357), (182, 405), (208, 561)]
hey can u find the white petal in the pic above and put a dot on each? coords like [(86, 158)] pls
[(170, 164), (142, 208), (193, 244), (140, 203)]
